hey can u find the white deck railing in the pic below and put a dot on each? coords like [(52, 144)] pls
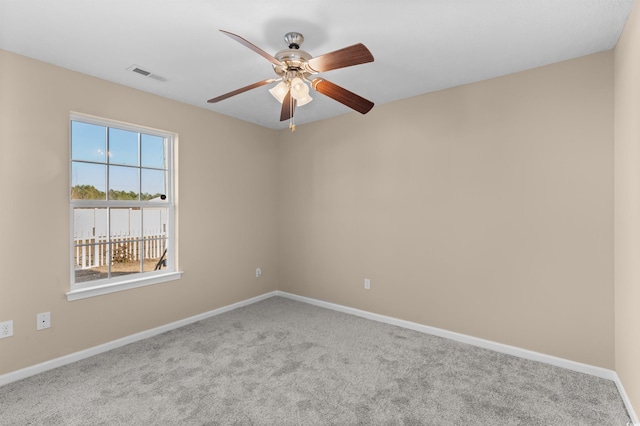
[(94, 252)]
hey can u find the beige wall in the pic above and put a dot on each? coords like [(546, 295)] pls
[(627, 207), (485, 209), (227, 212)]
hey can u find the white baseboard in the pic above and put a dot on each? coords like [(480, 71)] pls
[(77, 356), (627, 403), (486, 344), (482, 343)]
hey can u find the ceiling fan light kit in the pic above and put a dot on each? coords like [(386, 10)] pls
[(294, 68)]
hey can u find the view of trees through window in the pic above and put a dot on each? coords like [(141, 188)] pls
[(89, 192)]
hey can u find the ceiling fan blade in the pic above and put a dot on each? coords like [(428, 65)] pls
[(241, 90), (252, 47), (288, 107), (342, 95), (352, 55)]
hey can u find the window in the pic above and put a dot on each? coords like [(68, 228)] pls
[(122, 210)]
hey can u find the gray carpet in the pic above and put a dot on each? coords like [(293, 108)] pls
[(282, 362)]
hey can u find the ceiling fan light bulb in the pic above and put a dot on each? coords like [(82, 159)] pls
[(299, 89), (279, 91)]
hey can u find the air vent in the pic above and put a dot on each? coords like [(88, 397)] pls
[(141, 71)]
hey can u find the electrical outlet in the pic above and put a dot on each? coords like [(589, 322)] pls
[(43, 320), (367, 284), (6, 329), (258, 272)]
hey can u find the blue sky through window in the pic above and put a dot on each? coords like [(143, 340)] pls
[(123, 147), (153, 152), (89, 142)]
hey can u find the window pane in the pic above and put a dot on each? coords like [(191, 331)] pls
[(153, 152), (155, 222), (155, 226), (89, 223), (123, 147), (154, 254), (124, 223), (153, 184), (124, 183), (90, 274), (88, 142), (125, 241), (88, 181), (125, 257), (90, 257)]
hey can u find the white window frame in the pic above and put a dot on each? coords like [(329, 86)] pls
[(109, 285)]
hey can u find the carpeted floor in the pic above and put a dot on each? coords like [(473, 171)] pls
[(282, 362)]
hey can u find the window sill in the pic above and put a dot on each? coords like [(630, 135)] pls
[(113, 287)]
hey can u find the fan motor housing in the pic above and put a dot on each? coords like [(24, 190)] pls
[(293, 60)]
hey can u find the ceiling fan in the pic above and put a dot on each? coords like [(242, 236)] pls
[(295, 68)]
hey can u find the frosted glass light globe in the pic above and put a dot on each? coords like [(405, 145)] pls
[(279, 91), (299, 90)]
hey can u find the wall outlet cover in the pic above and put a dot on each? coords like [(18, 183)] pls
[(43, 320)]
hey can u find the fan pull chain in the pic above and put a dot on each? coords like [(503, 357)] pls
[(292, 124)]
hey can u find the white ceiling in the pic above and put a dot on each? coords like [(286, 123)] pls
[(419, 46)]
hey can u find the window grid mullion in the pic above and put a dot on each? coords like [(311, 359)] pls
[(139, 165), (141, 242), (141, 237), (107, 161), (109, 243)]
